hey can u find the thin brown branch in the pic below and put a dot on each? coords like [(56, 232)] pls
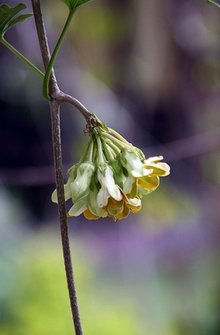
[(76, 103), (55, 102), (55, 121), (44, 47), (45, 52)]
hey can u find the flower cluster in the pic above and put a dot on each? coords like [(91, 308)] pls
[(111, 177)]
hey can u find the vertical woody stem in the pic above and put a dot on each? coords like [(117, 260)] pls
[(56, 138), (42, 37), (56, 99)]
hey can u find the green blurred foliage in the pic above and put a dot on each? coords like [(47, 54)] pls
[(175, 204), (38, 304)]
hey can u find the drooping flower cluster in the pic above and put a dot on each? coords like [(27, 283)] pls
[(111, 177)]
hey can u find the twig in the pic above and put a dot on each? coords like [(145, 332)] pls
[(55, 102), (76, 103), (55, 121), (44, 47)]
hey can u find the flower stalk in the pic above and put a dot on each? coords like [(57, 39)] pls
[(54, 55)]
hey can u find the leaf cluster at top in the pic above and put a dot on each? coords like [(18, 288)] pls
[(9, 17)]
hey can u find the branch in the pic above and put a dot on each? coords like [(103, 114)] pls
[(76, 103), (54, 90), (55, 121), (44, 47), (55, 102)]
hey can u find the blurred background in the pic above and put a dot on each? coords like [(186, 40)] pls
[(151, 70)]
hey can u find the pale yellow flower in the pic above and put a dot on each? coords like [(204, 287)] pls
[(111, 177)]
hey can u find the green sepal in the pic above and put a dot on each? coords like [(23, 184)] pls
[(8, 16), (73, 4)]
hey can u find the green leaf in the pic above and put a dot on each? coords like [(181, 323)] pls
[(9, 18), (73, 4), (19, 19)]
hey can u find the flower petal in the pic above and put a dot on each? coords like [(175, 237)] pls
[(159, 168), (89, 215), (154, 159), (141, 172), (113, 213), (54, 196), (130, 159), (149, 183), (134, 205), (112, 188), (115, 192), (114, 207), (102, 197), (79, 207), (80, 186), (108, 186), (132, 163), (66, 194), (128, 184), (134, 190), (93, 205), (142, 191), (123, 214)]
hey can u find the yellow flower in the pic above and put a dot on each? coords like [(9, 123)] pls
[(120, 209), (149, 183), (159, 168), (112, 176)]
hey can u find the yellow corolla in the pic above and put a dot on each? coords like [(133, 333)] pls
[(120, 209), (149, 183)]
